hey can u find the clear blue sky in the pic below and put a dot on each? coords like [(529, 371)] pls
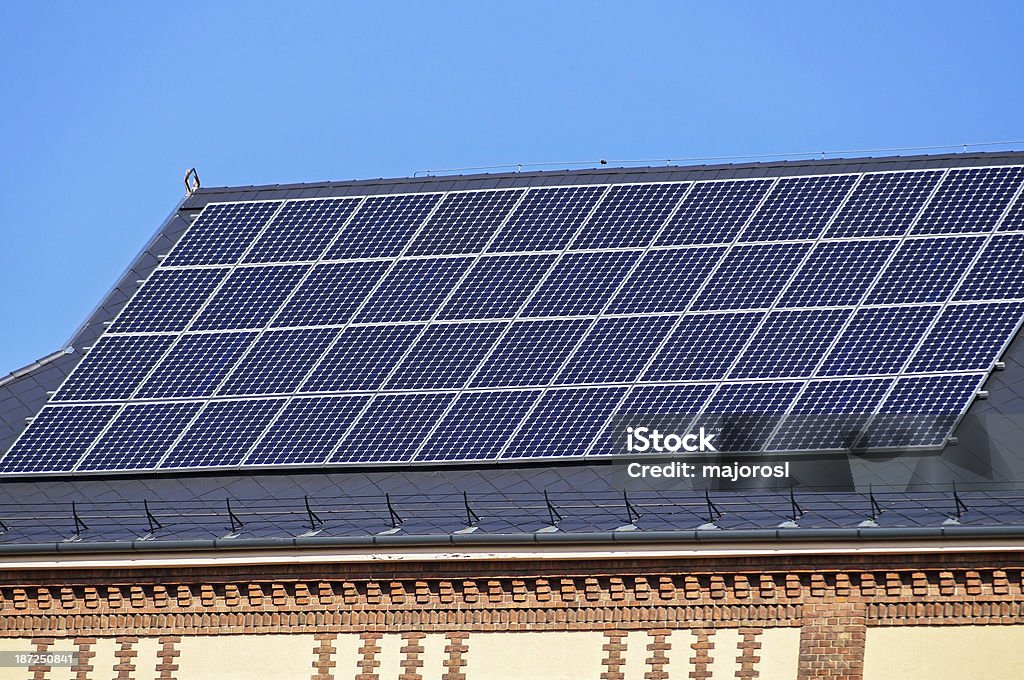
[(104, 105)]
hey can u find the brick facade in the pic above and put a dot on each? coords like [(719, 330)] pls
[(831, 600)]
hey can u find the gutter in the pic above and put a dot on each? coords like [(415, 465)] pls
[(764, 540)]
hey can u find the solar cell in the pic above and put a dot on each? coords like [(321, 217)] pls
[(745, 414), (998, 273), (645, 404), (279, 361), (249, 297), (547, 219), (57, 439), (921, 411), (970, 200), (702, 347), (139, 436), (414, 290), (798, 208), (392, 427), (362, 358), (884, 204), (383, 226), (878, 340), (925, 270), (967, 337), (168, 300), (829, 415), (444, 356), (302, 230), (222, 233), (114, 367), (751, 276), (464, 222), (196, 365), (564, 422), (713, 212), (615, 350), (665, 280), (222, 433), (837, 273), (580, 284), (629, 216), (1014, 219), (306, 431), (496, 287), (530, 353), (789, 344), (477, 425), (331, 294)]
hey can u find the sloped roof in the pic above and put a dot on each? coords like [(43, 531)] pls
[(987, 461)]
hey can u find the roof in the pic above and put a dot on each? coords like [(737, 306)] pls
[(431, 503)]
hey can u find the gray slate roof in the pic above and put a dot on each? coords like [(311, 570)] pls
[(914, 490)]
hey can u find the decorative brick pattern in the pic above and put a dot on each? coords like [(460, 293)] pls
[(84, 667), (41, 645), (748, 658), (832, 641), (125, 667), (456, 647), (658, 660), (412, 656), (701, 660), (324, 653), (613, 660), (167, 654), (368, 663)]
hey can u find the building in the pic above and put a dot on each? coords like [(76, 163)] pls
[(314, 431)]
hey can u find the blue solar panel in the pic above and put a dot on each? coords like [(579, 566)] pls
[(331, 294), (477, 426), (168, 300), (531, 352), (665, 280), (362, 358), (306, 431), (798, 208), (580, 284), (645, 401), (703, 347), (967, 337), (249, 297), (970, 200), (925, 270), (837, 273), (921, 411), (383, 226), (414, 290), (222, 233), (279, 361), (998, 273), (547, 219), (1014, 220), (789, 344), (884, 204), (444, 356), (57, 439), (629, 216), (114, 367), (464, 222), (470, 326), (713, 212), (829, 415), (223, 433), (564, 422), (751, 276), (878, 340), (139, 436), (497, 286), (746, 414), (392, 427), (302, 230), (196, 365), (616, 350)]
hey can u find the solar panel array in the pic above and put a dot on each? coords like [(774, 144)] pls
[(523, 323)]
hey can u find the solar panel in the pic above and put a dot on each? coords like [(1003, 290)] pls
[(822, 312)]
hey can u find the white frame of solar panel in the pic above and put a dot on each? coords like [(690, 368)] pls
[(483, 253)]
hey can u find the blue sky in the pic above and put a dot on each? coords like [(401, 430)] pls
[(104, 105)]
